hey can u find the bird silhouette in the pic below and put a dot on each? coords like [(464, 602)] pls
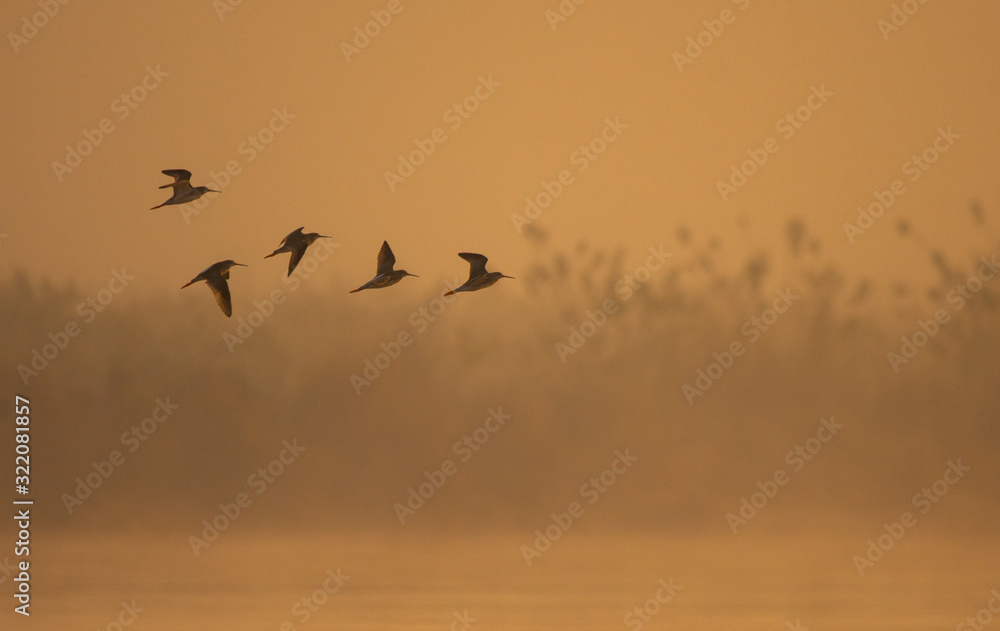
[(296, 242), (183, 191), (479, 278), (384, 274), (215, 276)]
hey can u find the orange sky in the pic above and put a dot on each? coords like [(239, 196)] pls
[(600, 112), (554, 88)]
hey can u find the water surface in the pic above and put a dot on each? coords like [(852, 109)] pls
[(582, 582)]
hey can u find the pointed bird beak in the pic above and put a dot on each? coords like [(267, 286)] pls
[(211, 191), (241, 264), (413, 275), (510, 277)]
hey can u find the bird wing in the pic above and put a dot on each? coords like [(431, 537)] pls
[(177, 174), (181, 187), (386, 259), (297, 255), (220, 289), (294, 235), (477, 264)]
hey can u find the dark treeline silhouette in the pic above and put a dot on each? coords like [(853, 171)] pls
[(827, 355)]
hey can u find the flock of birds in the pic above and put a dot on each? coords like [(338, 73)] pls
[(216, 276)]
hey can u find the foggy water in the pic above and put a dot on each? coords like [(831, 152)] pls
[(581, 582)]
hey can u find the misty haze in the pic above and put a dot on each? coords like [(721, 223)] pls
[(732, 361)]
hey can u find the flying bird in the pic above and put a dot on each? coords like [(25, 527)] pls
[(296, 242), (479, 278), (216, 276), (384, 274), (183, 191)]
